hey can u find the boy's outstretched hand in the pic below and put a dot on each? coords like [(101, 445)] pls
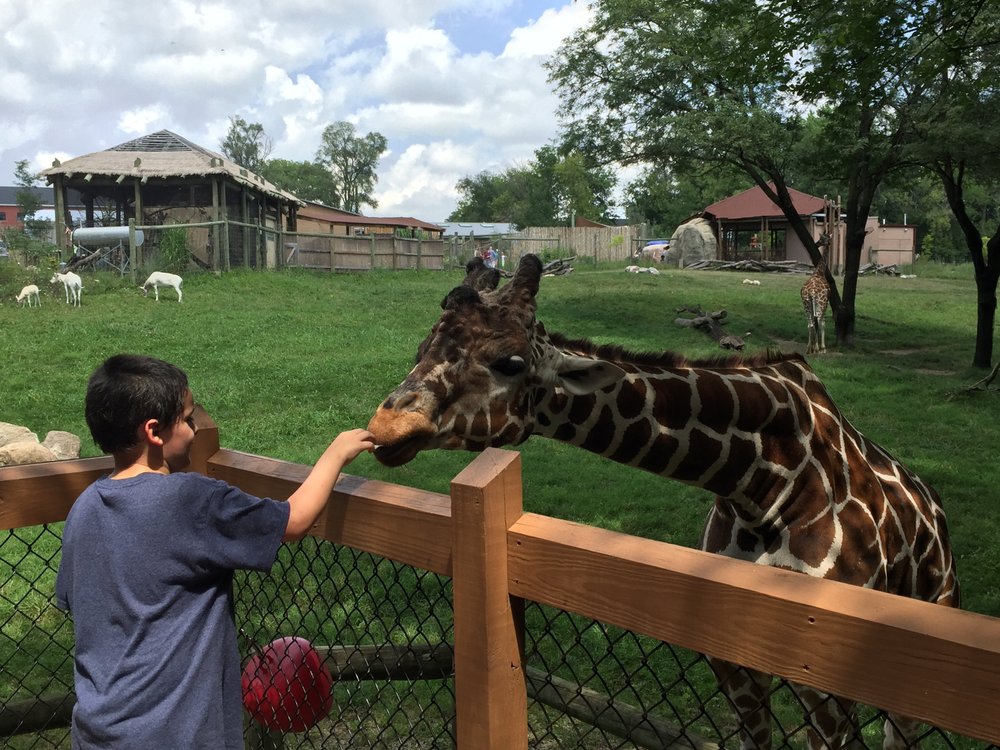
[(349, 444)]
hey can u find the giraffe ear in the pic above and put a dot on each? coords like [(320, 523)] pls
[(527, 275), (479, 276), (580, 375)]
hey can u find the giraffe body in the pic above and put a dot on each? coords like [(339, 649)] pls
[(815, 295), (796, 485)]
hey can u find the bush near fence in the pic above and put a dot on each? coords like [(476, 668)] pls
[(465, 621)]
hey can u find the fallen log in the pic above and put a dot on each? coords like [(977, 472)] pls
[(710, 323)]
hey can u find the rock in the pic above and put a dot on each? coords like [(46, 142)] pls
[(26, 452), (691, 242), (62, 444), (13, 433)]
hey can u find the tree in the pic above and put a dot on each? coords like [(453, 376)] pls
[(27, 199), (546, 191), (477, 194), (580, 187), (664, 199), (307, 180), (959, 143), (351, 161), (735, 82), (28, 203), (247, 144)]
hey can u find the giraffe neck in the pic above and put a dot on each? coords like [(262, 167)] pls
[(736, 431)]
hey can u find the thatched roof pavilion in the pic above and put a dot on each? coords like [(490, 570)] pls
[(163, 178)]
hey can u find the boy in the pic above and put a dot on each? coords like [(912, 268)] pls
[(147, 567)]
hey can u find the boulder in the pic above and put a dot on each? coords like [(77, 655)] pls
[(14, 433), (62, 444), (691, 242), (26, 452)]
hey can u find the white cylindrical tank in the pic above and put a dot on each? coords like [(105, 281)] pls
[(98, 236)]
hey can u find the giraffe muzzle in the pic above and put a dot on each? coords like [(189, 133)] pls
[(399, 435)]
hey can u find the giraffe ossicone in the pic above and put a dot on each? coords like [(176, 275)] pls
[(796, 485)]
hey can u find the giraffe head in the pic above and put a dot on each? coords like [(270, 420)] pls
[(481, 371)]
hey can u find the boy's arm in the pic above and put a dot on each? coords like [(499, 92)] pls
[(310, 498)]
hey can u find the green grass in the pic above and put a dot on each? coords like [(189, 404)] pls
[(284, 361)]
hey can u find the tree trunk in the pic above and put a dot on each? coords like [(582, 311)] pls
[(987, 269), (986, 302)]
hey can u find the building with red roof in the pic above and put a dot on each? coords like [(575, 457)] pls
[(751, 225)]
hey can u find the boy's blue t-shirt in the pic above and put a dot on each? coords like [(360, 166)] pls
[(146, 571)]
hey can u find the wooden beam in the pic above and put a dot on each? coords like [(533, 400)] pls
[(32, 494), (842, 639), (490, 694), (399, 523)]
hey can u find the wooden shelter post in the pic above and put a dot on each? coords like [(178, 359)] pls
[(133, 250), (261, 257), (58, 192), (245, 217), (216, 227), (222, 250), (138, 203)]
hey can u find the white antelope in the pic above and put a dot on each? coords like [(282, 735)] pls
[(28, 293), (158, 279), (72, 284)]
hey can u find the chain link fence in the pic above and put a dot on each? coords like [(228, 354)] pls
[(384, 630)]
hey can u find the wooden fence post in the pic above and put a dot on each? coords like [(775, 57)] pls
[(490, 693), (206, 441)]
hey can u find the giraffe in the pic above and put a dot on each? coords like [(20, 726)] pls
[(796, 485), (815, 295)]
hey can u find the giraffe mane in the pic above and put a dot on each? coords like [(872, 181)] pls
[(616, 353)]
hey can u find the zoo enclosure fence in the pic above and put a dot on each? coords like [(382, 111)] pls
[(469, 596), (225, 245)]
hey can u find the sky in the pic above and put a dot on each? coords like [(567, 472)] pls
[(456, 86)]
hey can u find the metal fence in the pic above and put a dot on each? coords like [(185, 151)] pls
[(386, 629)]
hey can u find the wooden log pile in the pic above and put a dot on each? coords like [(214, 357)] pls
[(559, 267), (754, 266), (878, 268)]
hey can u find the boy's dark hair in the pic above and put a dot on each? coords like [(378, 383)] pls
[(125, 391)]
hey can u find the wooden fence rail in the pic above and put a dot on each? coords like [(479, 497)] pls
[(933, 663)]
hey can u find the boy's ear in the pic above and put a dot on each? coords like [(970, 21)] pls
[(150, 432)]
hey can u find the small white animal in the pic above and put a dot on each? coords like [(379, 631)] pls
[(752, 282), (159, 278), (632, 269), (72, 284), (29, 292)]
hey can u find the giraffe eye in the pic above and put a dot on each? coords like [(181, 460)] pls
[(509, 365)]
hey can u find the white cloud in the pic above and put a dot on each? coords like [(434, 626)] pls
[(112, 70), (142, 120)]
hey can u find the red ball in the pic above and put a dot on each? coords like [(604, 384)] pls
[(286, 687)]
